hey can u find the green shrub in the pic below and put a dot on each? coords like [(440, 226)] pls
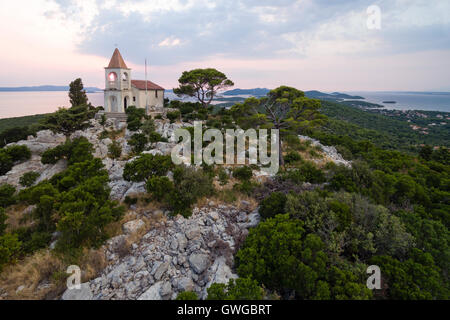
[(29, 178), (279, 254), (154, 137), (417, 278), (246, 187), (173, 115), (6, 162), (187, 295), (9, 248), (7, 195), (75, 202), (134, 117), (146, 166), (190, 186), (272, 205), (292, 157), (77, 150), (138, 142), (11, 155), (293, 142), (239, 289), (32, 195), (130, 200), (223, 176), (103, 120), (18, 153), (85, 211), (307, 172), (242, 173), (186, 109), (160, 187), (103, 135), (133, 111), (114, 150), (342, 212), (33, 240), (67, 121), (134, 125), (3, 218), (15, 134), (54, 154)]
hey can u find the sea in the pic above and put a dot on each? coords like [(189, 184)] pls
[(428, 101), (16, 104)]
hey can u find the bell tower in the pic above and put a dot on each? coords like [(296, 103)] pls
[(117, 84)]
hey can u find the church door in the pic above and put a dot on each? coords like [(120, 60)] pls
[(113, 103)]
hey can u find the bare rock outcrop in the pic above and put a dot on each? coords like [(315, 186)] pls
[(177, 255)]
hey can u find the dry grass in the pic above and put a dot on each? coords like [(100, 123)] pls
[(30, 272), (43, 274), (46, 267), (237, 202), (17, 218)]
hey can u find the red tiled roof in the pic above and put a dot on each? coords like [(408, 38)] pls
[(140, 84), (117, 61)]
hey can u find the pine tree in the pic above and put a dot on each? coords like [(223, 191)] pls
[(77, 94)]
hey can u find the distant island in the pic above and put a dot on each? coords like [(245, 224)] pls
[(330, 96), (310, 94), (389, 101), (230, 97), (44, 88), (251, 92)]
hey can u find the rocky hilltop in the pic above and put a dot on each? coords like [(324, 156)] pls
[(170, 255)]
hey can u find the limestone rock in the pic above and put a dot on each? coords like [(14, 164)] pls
[(153, 292), (132, 226), (165, 290), (84, 293), (199, 262)]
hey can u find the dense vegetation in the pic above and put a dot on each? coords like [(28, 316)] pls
[(386, 129), (390, 208), (73, 207), (74, 203), (322, 224)]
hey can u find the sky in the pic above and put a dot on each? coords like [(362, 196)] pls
[(327, 45)]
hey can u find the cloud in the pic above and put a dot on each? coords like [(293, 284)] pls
[(170, 42), (173, 31), (300, 42)]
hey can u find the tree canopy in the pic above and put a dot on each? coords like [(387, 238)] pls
[(77, 94), (284, 108), (67, 121), (202, 84)]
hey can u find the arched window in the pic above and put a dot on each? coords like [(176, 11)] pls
[(112, 77), (124, 76)]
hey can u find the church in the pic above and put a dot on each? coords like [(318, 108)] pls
[(122, 92)]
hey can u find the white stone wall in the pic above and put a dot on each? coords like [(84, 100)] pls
[(153, 101), (119, 89)]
